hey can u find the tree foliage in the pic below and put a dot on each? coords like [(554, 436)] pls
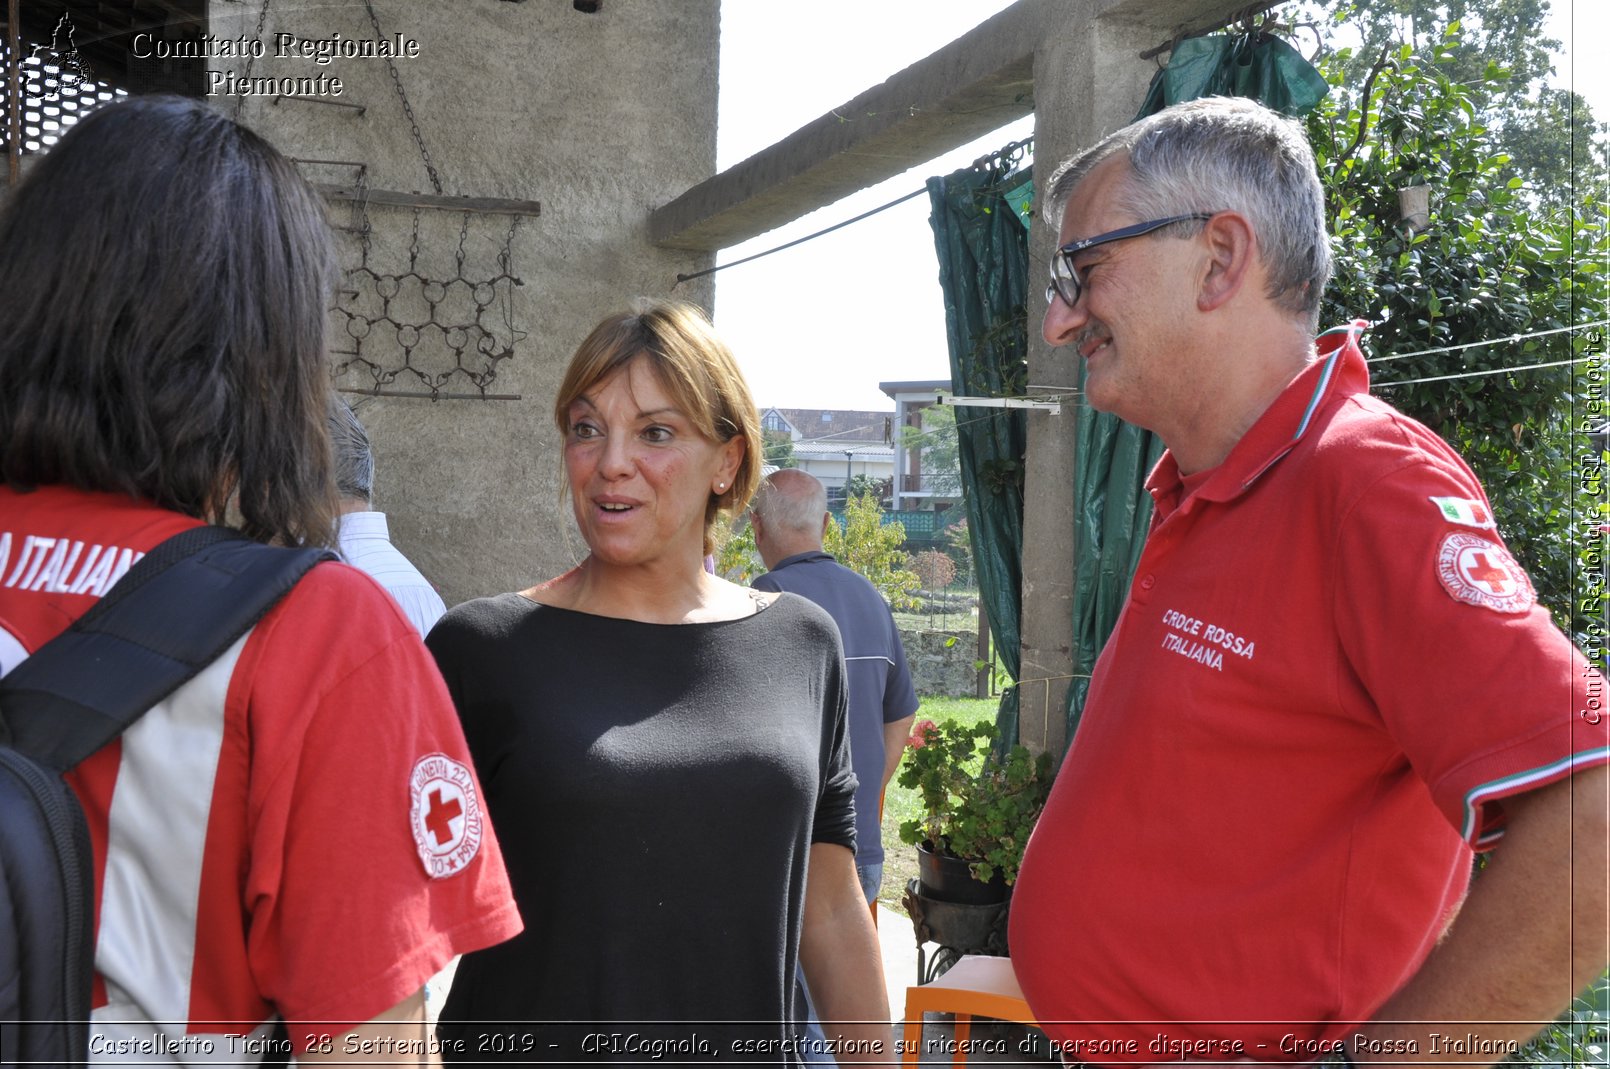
[(935, 568), (737, 558), (959, 544), (1550, 135), (777, 448), (1493, 264), (862, 485), (871, 548)]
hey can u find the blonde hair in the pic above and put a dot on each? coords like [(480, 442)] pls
[(694, 366)]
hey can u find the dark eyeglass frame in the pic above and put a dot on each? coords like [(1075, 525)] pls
[(1069, 276)]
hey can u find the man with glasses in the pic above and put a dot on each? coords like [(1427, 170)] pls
[(1330, 683)]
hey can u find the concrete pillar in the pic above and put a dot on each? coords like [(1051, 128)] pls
[(599, 117), (1088, 81)]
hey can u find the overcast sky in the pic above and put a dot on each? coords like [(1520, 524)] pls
[(820, 325)]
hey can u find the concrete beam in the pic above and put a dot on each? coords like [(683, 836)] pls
[(977, 83)]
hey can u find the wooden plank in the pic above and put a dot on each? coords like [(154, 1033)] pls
[(395, 198)]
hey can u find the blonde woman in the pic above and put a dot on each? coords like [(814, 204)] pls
[(665, 752)]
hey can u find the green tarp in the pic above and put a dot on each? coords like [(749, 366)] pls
[(1264, 68), (983, 253)]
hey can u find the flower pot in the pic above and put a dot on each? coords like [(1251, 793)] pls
[(950, 879), (959, 929)]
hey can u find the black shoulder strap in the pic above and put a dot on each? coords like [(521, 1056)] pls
[(171, 615)]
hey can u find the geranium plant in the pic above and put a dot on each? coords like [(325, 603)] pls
[(976, 805)]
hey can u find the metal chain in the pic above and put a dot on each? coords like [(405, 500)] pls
[(463, 236), (413, 124), (360, 205), (262, 19), (505, 262), (413, 248), (506, 256)]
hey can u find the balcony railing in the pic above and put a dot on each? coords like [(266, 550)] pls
[(932, 485)]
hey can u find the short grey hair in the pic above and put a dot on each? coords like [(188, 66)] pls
[(1225, 154), (354, 460), (791, 500)]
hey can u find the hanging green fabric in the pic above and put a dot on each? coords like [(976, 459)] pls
[(983, 270), (1112, 509), (1254, 65), (1021, 198)]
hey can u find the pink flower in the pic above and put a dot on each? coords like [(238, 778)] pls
[(919, 734)]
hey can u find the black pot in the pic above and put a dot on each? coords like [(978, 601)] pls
[(950, 879)]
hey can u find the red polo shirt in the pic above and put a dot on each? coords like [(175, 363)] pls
[(1328, 673)]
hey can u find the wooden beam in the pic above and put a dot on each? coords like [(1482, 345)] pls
[(394, 198)]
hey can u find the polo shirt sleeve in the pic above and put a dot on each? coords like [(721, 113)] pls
[(373, 860), (899, 696), (1444, 642), (834, 821)]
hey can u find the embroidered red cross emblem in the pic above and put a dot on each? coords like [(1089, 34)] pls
[(439, 818), (1482, 570)]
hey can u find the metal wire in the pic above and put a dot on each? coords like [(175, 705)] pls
[(420, 332)]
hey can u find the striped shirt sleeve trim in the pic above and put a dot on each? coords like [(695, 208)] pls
[(1514, 784)]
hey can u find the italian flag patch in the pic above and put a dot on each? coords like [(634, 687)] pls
[(1463, 510)]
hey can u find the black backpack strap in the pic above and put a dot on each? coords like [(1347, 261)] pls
[(175, 612)]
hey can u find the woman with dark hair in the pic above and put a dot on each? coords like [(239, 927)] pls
[(666, 751), (263, 843), (186, 268)]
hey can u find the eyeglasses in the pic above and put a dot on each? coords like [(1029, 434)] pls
[(1065, 279)]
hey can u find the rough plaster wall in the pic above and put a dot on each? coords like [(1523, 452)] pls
[(600, 118)]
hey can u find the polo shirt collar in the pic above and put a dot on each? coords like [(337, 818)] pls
[(801, 558), (1339, 371)]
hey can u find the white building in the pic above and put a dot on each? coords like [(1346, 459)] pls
[(835, 444), (917, 489)]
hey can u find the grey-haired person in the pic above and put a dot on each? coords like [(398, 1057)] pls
[(1330, 682)]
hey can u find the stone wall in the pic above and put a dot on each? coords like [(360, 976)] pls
[(941, 662), (598, 117)]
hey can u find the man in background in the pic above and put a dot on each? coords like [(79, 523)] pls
[(365, 541), (790, 515)]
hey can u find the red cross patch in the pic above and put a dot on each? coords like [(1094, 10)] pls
[(445, 814), (1479, 571)]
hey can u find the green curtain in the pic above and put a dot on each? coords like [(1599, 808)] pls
[(1112, 509), (1111, 512), (983, 270)]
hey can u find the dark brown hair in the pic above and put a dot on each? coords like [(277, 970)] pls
[(166, 275)]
